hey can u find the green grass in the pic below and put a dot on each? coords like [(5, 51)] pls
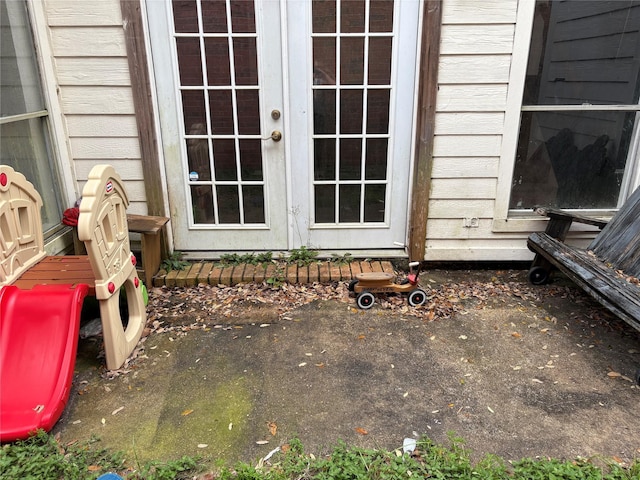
[(42, 457)]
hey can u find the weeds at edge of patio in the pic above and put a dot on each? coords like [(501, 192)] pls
[(42, 457)]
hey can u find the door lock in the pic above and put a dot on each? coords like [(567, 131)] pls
[(275, 114)]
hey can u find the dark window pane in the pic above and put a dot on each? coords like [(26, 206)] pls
[(324, 16), (324, 61), (379, 61), (224, 160), (198, 158), (378, 111), (194, 114), (185, 16), (584, 51), (228, 204), (351, 111), (242, 16), (381, 16), (217, 55), (374, 203), (349, 209), (202, 198), (571, 159), (352, 61), (248, 112), (352, 16), (325, 204), (251, 160), (253, 200), (324, 111), (324, 155), (214, 16), (189, 61), (376, 159), (246, 63), (221, 111), (350, 158)]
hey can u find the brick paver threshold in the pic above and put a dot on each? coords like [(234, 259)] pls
[(323, 272)]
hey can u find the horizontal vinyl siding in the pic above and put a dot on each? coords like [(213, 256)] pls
[(92, 69), (475, 61)]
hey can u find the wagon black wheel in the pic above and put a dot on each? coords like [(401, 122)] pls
[(352, 285), (538, 275), (365, 300), (417, 298)]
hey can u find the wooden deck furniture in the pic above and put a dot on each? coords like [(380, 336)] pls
[(149, 228), (109, 265), (608, 269)]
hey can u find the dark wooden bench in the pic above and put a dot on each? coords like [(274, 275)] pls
[(608, 269)]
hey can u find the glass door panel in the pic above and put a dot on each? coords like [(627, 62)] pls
[(225, 174)]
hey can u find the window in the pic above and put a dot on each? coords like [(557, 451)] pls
[(579, 118), (24, 128)]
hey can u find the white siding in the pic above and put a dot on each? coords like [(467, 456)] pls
[(475, 61), (92, 71)]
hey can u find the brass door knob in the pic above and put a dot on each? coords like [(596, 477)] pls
[(276, 135)]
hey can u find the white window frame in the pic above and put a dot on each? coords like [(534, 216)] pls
[(502, 221)]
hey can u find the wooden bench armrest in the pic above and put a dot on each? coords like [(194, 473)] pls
[(560, 221)]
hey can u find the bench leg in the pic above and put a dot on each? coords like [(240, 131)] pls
[(151, 256)]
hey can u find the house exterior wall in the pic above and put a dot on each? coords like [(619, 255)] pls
[(475, 59), (94, 88)]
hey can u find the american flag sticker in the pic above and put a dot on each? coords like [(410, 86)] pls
[(109, 187)]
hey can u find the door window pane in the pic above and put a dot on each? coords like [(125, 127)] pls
[(324, 111), (202, 200), (352, 61), (193, 108), (190, 64), (352, 16), (253, 200), (351, 111), (349, 203), (350, 158), (374, 203), (224, 159), (198, 159), (221, 111), (582, 53), (185, 19), (248, 112), (325, 203), (246, 60), (324, 16), (251, 160), (218, 70), (228, 204), (324, 152), (214, 16), (242, 16)]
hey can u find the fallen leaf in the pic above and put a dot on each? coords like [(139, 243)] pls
[(285, 448), (302, 364), (361, 431), (117, 410), (516, 335), (614, 374), (202, 445), (187, 412), (273, 428), (93, 468), (262, 442)]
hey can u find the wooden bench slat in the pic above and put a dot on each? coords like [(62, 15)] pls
[(594, 276)]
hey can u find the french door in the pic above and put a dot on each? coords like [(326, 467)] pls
[(286, 123)]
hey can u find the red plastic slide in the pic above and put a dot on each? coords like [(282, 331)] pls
[(38, 345)]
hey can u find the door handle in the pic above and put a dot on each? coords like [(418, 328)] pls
[(276, 136)]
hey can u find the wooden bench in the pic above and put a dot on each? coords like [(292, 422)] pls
[(149, 228), (608, 269), (109, 265)]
